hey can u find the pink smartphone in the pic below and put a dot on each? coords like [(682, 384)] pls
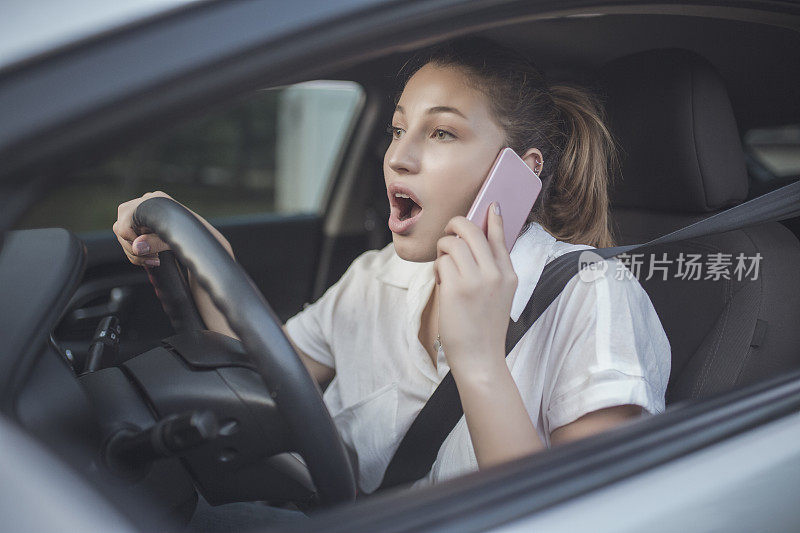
[(513, 185)]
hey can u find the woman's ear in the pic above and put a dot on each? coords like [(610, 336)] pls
[(533, 158)]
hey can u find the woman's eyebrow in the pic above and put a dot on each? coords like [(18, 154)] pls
[(435, 109)]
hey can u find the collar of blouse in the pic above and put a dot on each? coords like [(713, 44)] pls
[(530, 254)]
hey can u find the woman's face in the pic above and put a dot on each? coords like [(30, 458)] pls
[(444, 141)]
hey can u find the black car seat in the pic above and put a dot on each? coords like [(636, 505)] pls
[(682, 160)]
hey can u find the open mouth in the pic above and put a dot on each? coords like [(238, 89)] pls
[(407, 207)]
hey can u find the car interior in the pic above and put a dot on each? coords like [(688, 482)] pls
[(680, 92)]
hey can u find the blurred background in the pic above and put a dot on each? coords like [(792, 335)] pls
[(272, 153)]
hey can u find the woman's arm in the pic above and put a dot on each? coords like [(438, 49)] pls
[(322, 374), (143, 250), (476, 284), (498, 423), (500, 427), (142, 247), (215, 321), (595, 422)]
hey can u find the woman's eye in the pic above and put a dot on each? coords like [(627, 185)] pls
[(395, 133), (438, 134), (443, 135)]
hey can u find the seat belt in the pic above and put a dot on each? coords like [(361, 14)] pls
[(419, 448)]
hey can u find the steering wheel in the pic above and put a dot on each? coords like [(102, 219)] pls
[(255, 323)]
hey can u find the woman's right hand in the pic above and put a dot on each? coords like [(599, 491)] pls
[(140, 245)]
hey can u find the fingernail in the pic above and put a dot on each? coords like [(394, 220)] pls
[(141, 248), (152, 262), (496, 208)]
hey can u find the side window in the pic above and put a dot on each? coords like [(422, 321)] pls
[(273, 153), (774, 153)]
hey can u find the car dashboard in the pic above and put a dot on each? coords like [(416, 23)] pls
[(186, 416)]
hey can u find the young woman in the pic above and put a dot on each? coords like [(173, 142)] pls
[(439, 297)]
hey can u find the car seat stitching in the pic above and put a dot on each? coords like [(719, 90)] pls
[(750, 350), (708, 363), (694, 134)]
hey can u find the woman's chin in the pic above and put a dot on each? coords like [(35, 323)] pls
[(409, 248)]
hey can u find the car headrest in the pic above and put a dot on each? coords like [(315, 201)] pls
[(680, 145)]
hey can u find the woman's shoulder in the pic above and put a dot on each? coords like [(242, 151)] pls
[(560, 248), (354, 287), (371, 262), (609, 301), (364, 272), (610, 280)]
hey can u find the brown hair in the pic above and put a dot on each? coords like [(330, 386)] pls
[(565, 122)]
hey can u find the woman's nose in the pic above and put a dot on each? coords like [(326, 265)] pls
[(402, 157)]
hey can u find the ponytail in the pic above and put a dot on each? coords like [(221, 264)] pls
[(576, 209), (566, 123)]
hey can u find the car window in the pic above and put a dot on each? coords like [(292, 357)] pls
[(275, 152), (776, 150)]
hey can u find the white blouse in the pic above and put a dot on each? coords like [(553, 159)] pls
[(599, 344)]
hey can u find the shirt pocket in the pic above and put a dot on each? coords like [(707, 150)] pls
[(369, 428)]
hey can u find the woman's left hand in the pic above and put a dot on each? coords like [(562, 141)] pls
[(476, 288)]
